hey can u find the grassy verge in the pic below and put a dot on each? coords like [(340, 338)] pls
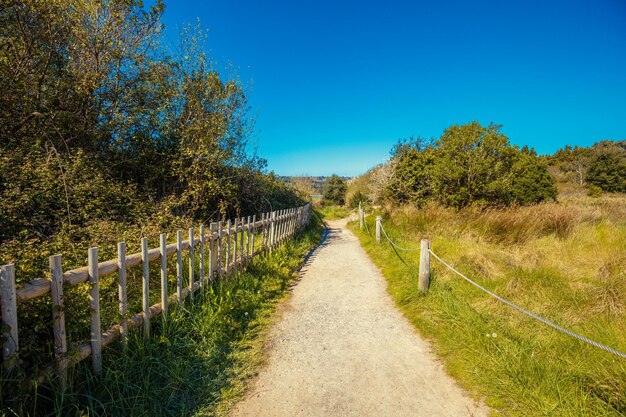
[(333, 212), (563, 261), (197, 362)]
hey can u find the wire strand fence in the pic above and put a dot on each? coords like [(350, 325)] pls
[(503, 300)]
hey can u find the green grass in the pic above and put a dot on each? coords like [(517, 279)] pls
[(198, 361), (572, 273), (333, 212)]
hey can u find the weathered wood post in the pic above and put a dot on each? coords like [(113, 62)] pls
[(121, 291), (249, 236), (272, 230), (219, 249), (227, 260), (252, 237), (424, 276), (94, 311), (179, 267), (242, 249), (236, 237), (58, 318), (212, 252), (360, 217), (378, 226), (201, 250), (8, 305), (192, 261), (163, 250), (262, 234), (146, 287)]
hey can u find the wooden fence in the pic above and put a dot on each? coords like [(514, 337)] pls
[(230, 246)]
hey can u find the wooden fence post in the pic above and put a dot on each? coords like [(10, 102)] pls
[(58, 318), (424, 274), (179, 266), (145, 263), (262, 234), (212, 252), (272, 230), (242, 257), (248, 237), (219, 249), (235, 239), (378, 226), (252, 237), (163, 244), (192, 261), (201, 249), (121, 291), (8, 304), (228, 239), (94, 310)]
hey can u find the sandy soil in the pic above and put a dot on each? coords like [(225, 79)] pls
[(340, 348)]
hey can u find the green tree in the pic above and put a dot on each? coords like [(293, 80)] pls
[(607, 168), (335, 190), (531, 182), (469, 164)]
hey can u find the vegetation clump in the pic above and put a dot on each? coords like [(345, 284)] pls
[(335, 190), (601, 167), (103, 129), (468, 164)]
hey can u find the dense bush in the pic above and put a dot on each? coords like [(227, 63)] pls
[(607, 167), (335, 190), (601, 167), (99, 122), (356, 198), (469, 164)]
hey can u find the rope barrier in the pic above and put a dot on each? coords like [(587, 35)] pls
[(531, 314), (390, 241)]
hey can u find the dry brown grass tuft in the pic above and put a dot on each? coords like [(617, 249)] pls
[(519, 224), (607, 294)]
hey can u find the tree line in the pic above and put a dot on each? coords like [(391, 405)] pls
[(472, 164), (101, 122)]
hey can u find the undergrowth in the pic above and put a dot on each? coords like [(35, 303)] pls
[(333, 212), (564, 261), (198, 360)]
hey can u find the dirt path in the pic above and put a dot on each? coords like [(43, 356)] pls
[(341, 348)]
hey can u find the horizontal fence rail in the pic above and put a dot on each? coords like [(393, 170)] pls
[(230, 248), (424, 282)]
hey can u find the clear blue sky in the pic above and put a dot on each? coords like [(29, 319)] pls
[(334, 84)]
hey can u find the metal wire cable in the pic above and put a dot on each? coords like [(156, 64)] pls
[(390, 241), (531, 314)]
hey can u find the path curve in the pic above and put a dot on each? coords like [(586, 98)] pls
[(341, 348)]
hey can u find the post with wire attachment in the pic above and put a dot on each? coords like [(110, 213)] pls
[(424, 277), (379, 220), (360, 217)]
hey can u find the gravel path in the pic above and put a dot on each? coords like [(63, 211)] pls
[(340, 348)]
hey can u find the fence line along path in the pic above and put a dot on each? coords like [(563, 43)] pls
[(217, 253)]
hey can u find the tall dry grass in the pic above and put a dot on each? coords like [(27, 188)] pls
[(565, 261)]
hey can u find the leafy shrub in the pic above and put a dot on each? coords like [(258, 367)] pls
[(594, 191), (335, 190), (468, 164), (356, 198), (607, 169)]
